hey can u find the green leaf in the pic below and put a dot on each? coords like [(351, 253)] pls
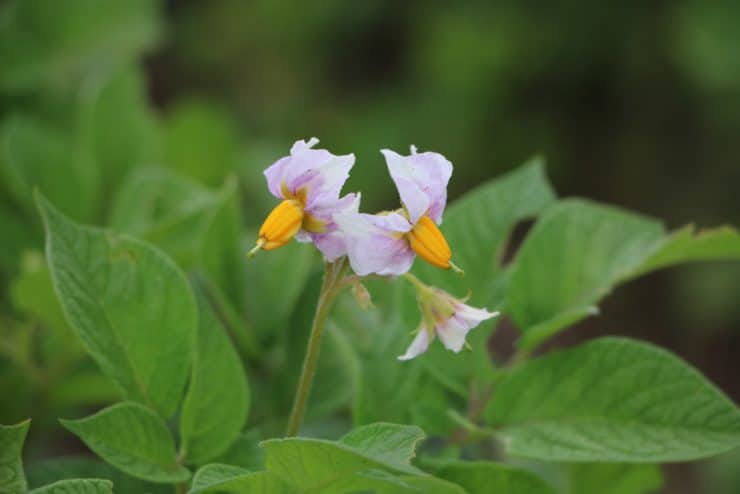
[(217, 478), (57, 45), (615, 400), (573, 256), (217, 401), (312, 463), (41, 156), (130, 305), (76, 467), (482, 477), (132, 438), (686, 245), (614, 478), (166, 210), (77, 486), (477, 227), (11, 464)]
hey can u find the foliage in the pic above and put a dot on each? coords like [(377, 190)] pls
[(174, 361)]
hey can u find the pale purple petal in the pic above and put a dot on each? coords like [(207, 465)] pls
[(333, 243), (321, 173), (418, 346), (421, 180), (375, 243)]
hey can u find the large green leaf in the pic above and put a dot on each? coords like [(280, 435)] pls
[(482, 477), (55, 45), (573, 256), (614, 478), (12, 437), (579, 251), (218, 478), (312, 463), (130, 305), (217, 401), (134, 439), (77, 486), (614, 400), (84, 467)]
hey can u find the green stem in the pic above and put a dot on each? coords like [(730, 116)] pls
[(330, 288)]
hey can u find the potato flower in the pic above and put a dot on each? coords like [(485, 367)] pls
[(309, 182), (387, 243), (445, 316)]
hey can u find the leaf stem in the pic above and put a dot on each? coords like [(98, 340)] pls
[(330, 288)]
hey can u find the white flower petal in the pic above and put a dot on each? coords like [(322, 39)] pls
[(418, 346)]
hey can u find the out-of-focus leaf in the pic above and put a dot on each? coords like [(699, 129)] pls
[(84, 388), (57, 45), (217, 401), (39, 156), (132, 438), (12, 437), (73, 467), (33, 294), (77, 486), (122, 127), (130, 305), (276, 280), (482, 477), (573, 256), (201, 142), (614, 478), (613, 400)]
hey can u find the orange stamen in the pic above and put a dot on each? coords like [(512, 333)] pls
[(280, 226), (428, 242)]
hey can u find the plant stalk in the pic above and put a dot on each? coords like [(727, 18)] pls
[(330, 288)]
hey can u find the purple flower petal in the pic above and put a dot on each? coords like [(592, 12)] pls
[(321, 173), (421, 180), (375, 243)]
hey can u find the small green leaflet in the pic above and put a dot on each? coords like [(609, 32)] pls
[(132, 438)]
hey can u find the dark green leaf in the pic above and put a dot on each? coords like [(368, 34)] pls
[(132, 438)]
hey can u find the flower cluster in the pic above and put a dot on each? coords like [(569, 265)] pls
[(309, 183)]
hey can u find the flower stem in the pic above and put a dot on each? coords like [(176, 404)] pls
[(330, 288)]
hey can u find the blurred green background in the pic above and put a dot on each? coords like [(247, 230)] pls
[(632, 103)]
